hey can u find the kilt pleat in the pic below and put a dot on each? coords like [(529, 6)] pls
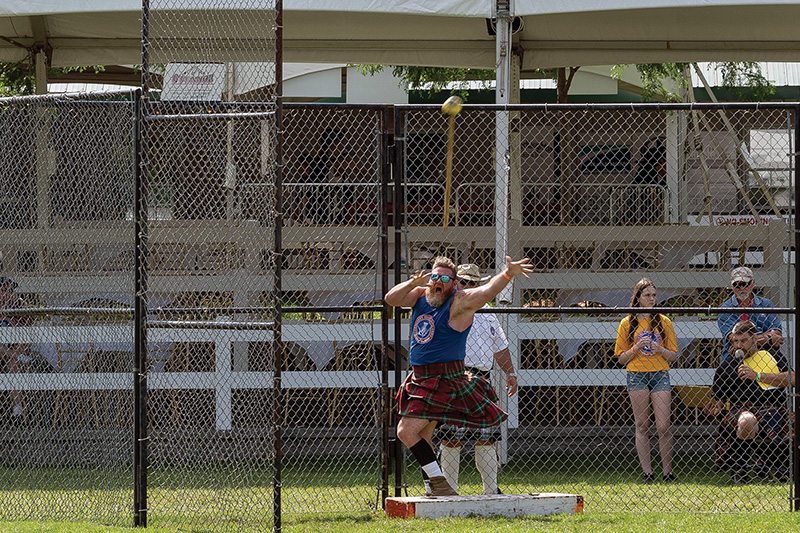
[(447, 393)]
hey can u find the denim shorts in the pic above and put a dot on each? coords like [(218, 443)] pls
[(650, 381)]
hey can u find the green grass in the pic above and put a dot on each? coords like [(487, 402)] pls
[(339, 494), (375, 521)]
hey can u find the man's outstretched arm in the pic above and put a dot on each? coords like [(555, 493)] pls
[(474, 299)]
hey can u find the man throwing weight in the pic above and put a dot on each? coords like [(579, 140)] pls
[(438, 389)]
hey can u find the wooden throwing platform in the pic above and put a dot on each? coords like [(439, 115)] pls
[(544, 503)]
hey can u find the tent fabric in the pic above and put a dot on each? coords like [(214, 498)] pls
[(443, 32)]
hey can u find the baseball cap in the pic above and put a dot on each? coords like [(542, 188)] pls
[(470, 272), (741, 274)]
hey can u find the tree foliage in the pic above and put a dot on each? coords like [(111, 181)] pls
[(744, 79), (433, 79), (18, 79), (15, 79), (653, 76)]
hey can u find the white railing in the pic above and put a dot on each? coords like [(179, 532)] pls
[(224, 379)]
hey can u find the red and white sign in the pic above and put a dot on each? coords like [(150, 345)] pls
[(740, 220), (194, 82)]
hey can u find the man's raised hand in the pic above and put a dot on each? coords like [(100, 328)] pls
[(517, 268)]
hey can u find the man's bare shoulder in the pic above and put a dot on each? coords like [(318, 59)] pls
[(464, 301)]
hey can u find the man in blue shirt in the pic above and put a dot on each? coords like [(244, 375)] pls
[(768, 326), (439, 390)]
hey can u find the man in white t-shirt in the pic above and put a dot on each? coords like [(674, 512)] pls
[(486, 344)]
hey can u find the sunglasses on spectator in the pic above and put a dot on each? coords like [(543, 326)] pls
[(444, 278), (740, 284), (465, 282)]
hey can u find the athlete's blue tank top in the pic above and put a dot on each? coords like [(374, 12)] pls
[(432, 338)]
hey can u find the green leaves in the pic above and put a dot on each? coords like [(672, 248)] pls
[(745, 80), (433, 79), (16, 79)]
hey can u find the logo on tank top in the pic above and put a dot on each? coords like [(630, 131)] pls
[(423, 329), (492, 331)]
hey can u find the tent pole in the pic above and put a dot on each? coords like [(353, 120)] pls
[(507, 87), (40, 58), (504, 16)]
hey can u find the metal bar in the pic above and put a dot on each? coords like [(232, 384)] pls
[(398, 209), (342, 106), (377, 308), (73, 97), (284, 310), (385, 398), (618, 310), (277, 344), (213, 116), (70, 310), (638, 106), (212, 107), (178, 310), (796, 437), (140, 291), (204, 324)]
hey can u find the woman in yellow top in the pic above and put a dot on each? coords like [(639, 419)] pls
[(646, 345)]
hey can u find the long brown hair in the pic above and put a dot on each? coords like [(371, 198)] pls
[(633, 321)]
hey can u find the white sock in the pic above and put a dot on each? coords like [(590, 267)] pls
[(451, 461), (17, 410), (486, 461), (432, 469)]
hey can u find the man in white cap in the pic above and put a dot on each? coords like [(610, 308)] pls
[(486, 344), (768, 326)]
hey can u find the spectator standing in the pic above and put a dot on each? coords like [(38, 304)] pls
[(646, 345)]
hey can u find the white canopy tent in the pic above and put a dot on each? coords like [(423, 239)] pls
[(438, 32)]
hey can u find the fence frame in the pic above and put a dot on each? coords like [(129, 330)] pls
[(391, 140)]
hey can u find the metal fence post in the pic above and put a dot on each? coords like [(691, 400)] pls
[(385, 397), (277, 345), (140, 318), (795, 441), (398, 208)]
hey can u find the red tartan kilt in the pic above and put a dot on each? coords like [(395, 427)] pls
[(447, 393)]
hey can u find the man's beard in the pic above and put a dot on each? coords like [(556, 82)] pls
[(434, 298)]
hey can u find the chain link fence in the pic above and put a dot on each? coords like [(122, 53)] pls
[(269, 362), (66, 291), (332, 277), (208, 280), (597, 198)]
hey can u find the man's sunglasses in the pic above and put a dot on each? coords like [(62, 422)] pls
[(740, 284), (465, 283), (444, 278)]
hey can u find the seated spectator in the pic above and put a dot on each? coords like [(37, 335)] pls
[(753, 381), (13, 354)]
